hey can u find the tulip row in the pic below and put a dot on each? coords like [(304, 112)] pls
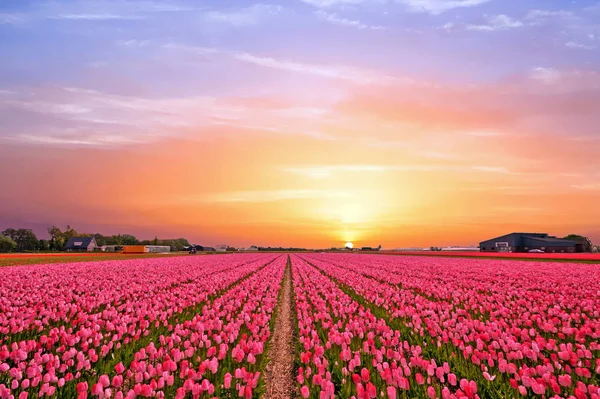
[(346, 351), (117, 324), (36, 299), (535, 333)]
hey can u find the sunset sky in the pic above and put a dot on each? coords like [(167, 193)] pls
[(301, 122)]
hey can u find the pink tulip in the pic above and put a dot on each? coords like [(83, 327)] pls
[(304, 392)]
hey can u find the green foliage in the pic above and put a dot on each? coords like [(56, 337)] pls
[(573, 237), (57, 239), (24, 238), (7, 244), (43, 245)]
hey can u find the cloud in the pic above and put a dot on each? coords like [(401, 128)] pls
[(268, 196), (587, 187), (436, 7), (86, 10), (484, 134), (577, 45), (134, 43), (244, 17), (331, 72), (96, 17), (547, 76), (355, 75), (11, 19), (497, 22), (337, 20), (332, 3), (539, 17), (61, 140), (492, 169), (197, 50), (326, 171), (433, 7), (154, 118)]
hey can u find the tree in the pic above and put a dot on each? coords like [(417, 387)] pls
[(128, 239), (43, 245), (25, 239), (70, 233), (57, 238), (7, 244), (573, 237), (100, 239)]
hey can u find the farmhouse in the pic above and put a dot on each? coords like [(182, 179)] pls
[(81, 244), (524, 242)]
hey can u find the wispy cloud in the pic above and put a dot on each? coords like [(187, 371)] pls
[(434, 7), (86, 10), (547, 76), (439, 6), (134, 43), (484, 134), (337, 20), (333, 72), (333, 3), (96, 17), (11, 19), (131, 117), (587, 187), (492, 169), (326, 171), (497, 22), (268, 196), (246, 16), (355, 75), (576, 45), (62, 140), (538, 17)]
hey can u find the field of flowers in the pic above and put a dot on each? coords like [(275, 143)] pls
[(171, 327), (360, 326), (409, 327)]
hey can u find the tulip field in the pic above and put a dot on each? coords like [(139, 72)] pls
[(361, 326)]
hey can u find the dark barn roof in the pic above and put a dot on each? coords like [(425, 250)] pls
[(551, 241), (79, 242), (203, 248), (524, 241)]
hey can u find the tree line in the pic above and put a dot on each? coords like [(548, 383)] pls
[(25, 240)]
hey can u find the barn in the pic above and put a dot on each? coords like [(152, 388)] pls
[(524, 242), (81, 244), (202, 248)]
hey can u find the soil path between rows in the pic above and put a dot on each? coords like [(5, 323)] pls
[(280, 370)]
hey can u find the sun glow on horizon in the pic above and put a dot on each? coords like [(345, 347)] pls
[(349, 245)]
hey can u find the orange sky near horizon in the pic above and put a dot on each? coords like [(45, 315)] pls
[(233, 186), (311, 123)]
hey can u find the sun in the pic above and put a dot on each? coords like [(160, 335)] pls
[(349, 245)]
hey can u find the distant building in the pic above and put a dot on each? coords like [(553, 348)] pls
[(143, 249), (251, 248), (201, 248), (158, 249), (460, 249), (370, 248), (525, 242), (81, 244), (109, 248)]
